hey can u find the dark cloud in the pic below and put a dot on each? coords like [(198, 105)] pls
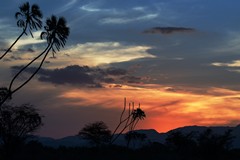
[(171, 103), (116, 71), (115, 86), (15, 58), (168, 30), (67, 55), (83, 75), (75, 75), (12, 58), (70, 74), (131, 79), (108, 80), (30, 50), (3, 45)]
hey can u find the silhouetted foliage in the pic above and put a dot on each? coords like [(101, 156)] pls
[(156, 151), (183, 145), (133, 136), (4, 92), (56, 33), (29, 17), (181, 142), (16, 124), (129, 118), (97, 133), (205, 145), (212, 144)]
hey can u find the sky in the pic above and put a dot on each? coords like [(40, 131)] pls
[(180, 59)]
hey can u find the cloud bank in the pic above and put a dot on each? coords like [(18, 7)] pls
[(84, 76)]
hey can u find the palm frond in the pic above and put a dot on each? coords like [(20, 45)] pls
[(25, 7), (21, 23), (17, 14), (43, 34), (32, 16), (36, 11), (31, 33), (56, 32)]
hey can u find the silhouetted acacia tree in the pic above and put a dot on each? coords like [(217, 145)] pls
[(177, 141), (29, 17), (134, 136), (210, 143), (97, 133), (56, 33), (129, 118), (16, 124)]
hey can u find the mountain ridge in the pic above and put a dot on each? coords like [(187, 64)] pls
[(152, 136)]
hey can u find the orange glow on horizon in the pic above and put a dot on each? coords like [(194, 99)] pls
[(165, 110)]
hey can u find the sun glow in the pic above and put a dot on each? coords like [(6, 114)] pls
[(165, 110)]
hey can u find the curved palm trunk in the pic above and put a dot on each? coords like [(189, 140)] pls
[(25, 67), (125, 127), (36, 71), (9, 49), (46, 51), (125, 120), (121, 118), (129, 121)]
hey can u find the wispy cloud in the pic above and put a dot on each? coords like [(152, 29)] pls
[(235, 63), (67, 6), (25, 41), (233, 66), (95, 7), (139, 8), (106, 52), (128, 20)]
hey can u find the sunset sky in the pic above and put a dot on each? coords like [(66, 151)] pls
[(179, 58)]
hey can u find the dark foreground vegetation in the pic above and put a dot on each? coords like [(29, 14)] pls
[(155, 151), (177, 146)]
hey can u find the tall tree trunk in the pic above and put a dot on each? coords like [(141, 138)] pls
[(46, 51), (9, 49), (36, 71), (25, 67)]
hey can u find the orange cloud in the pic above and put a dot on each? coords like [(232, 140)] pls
[(165, 110)]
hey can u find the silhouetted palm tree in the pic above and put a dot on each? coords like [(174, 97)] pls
[(132, 119), (29, 17), (56, 33), (137, 114)]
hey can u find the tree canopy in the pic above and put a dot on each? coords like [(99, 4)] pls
[(97, 133)]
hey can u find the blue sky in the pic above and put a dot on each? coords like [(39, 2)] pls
[(198, 56)]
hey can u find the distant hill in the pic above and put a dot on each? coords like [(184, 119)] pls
[(152, 136)]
